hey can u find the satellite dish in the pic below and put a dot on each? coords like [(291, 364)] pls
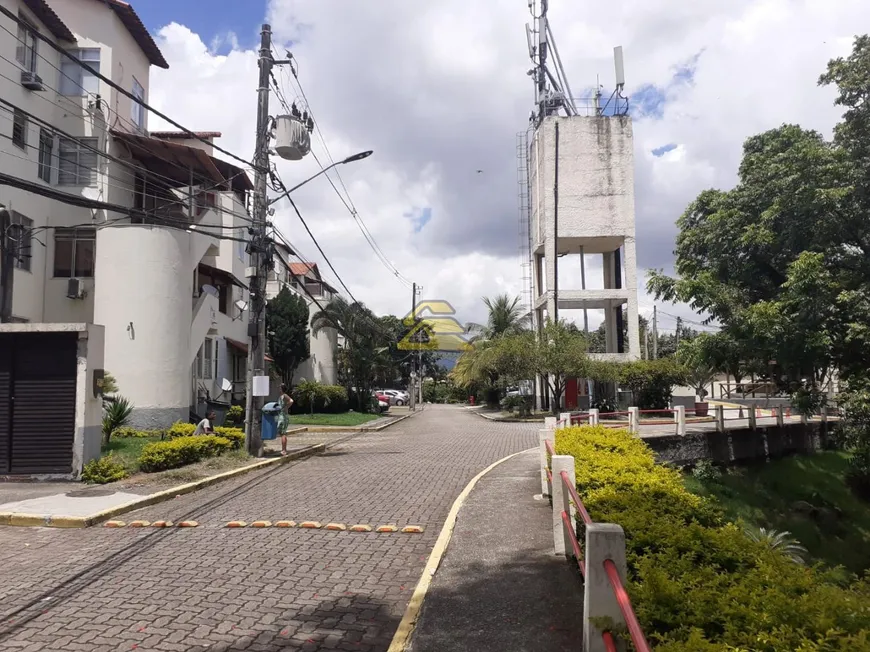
[(210, 289), (226, 385), (91, 193), (241, 305)]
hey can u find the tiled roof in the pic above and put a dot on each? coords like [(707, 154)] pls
[(138, 31), (183, 135), (301, 269), (48, 17)]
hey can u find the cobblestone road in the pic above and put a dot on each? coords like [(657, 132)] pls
[(212, 588)]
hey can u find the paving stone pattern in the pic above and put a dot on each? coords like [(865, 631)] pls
[(211, 588)]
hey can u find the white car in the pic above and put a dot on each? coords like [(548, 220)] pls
[(397, 397)]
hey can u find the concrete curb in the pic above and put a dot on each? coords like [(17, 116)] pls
[(489, 417), (402, 637), (43, 520)]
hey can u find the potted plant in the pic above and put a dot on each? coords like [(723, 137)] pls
[(699, 378)]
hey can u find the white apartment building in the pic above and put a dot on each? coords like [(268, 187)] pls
[(304, 279), (164, 279)]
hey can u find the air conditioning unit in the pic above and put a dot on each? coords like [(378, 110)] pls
[(75, 289), (31, 81)]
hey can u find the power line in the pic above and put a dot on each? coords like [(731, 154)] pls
[(278, 180), (348, 203), (119, 88)]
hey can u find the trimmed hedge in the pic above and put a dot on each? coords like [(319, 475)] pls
[(126, 432), (103, 470), (180, 451), (329, 399), (697, 582), (181, 429)]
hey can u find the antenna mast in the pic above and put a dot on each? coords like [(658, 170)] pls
[(552, 92)]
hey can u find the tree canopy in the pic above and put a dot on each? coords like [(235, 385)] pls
[(287, 328)]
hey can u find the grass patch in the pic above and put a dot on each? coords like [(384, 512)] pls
[(348, 419), (127, 450), (805, 495)]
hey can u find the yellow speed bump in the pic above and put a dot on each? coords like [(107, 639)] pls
[(261, 524), (285, 523), (313, 525), (188, 524), (387, 528), (361, 528), (335, 526), (114, 524), (412, 529), (237, 524), (161, 524)]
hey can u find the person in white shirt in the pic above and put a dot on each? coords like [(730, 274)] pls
[(204, 426)]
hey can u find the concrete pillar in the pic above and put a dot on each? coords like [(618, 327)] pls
[(565, 463), (634, 420), (550, 423), (543, 436), (560, 498), (593, 417), (565, 417), (804, 418), (780, 417), (680, 419), (753, 423), (629, 262), (603, 541), (550, 267), (719, 411)]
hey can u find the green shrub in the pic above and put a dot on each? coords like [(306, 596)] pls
[(696, 581), (116, 412), (180, 429), (103, 471), (309, 397), (651, 381), (440, 392), (126, 432), (235, 435), (235, 415), (170, 454)]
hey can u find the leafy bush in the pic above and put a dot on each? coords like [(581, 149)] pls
[(180, 429), (855, 435), (126, 432), (697, 582), (706, 471), (116, 413), (782, 541), (235, 415), (438, 392), (103, 471), (170, 454), (309, 397), (522, 404), (605, 405), (651, 381), (235, 435)]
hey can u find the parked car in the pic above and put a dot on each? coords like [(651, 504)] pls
[(383, 400), (397, 396)]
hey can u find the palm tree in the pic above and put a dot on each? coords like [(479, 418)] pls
[(781, 541), (363, 343), (506, 316)]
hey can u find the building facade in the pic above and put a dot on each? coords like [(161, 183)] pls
[(157, 267), (304, 280)]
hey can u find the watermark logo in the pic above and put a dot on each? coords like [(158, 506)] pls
[(433, 328)]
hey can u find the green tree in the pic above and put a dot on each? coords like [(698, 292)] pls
[(287, 328), (505, 316)]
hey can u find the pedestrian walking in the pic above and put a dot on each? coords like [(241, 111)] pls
[(285, 401)]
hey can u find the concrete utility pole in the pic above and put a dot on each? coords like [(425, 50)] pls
[(655, 354), (260, 253), (8, 251)]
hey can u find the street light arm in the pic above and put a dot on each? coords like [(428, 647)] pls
[(349, 159)]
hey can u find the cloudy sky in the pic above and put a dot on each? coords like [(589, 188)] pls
[(439, 90)]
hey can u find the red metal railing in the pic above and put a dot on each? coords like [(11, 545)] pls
[(610, 569)]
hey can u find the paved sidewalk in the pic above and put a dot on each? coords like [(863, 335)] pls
[(500, 587)]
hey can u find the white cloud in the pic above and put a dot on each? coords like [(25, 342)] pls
[(439, 90)]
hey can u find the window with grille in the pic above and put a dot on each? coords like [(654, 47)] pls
[(77, 162), (22, 232), (74, 253), (46, 149), (25, 50), (208, 359), (74, 79), (19, 129)]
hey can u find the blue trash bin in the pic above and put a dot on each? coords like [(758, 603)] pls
[(269, 429)]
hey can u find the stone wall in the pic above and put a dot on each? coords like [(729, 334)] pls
[(744, 445)]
